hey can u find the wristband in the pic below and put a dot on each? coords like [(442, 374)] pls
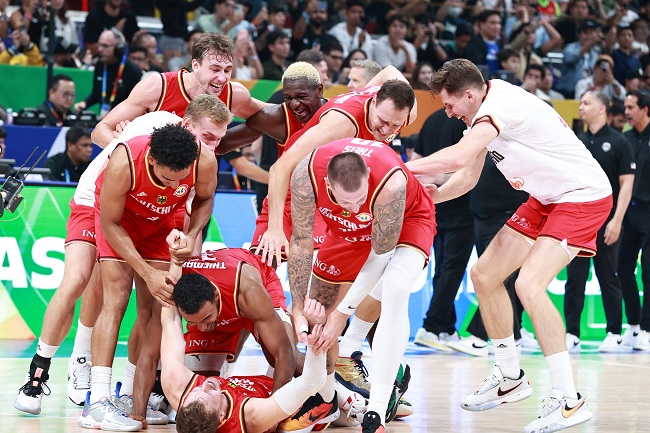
[(303, 328)]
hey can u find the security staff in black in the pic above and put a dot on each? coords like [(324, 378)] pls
[(614, 154), (636, 224), (453, 243)]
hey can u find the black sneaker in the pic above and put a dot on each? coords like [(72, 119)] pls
[(372, 423)]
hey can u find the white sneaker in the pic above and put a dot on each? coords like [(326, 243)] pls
[(404, 409), (105, 415), (438, 342), (572, 343), (642, 342), (558, 413), (470, 345), (352, 411), (78, 379), (30, 395), (124, 402), (528, 340), (496, 390), (629, 337), (611, 344)]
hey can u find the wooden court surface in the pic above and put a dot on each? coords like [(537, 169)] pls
[(617, 387)]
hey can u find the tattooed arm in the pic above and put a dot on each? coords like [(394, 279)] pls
[(301, 247)]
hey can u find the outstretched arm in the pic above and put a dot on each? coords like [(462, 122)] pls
[(269, 121), (460, 182), (174, 375)]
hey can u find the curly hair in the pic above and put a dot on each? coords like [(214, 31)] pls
[(195, 418), (192, 291), (174, 147), (218, 44)]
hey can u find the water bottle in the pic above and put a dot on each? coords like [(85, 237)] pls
[(10, 116)]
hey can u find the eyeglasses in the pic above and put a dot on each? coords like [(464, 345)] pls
[(69, 95), (105, 45)]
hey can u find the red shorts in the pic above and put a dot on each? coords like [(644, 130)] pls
[(578, 223), (262, 225), (81, 224), (215, 341), (339, 261), (148, 237)]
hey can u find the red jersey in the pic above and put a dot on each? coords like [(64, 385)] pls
[(238, 390), (223, 269), (175, 99), (148, 198), (291, 126), (383, 162)]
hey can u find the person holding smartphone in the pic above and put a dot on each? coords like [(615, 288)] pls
[(225, 19)]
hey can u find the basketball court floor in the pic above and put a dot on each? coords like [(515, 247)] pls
[(617, 387)]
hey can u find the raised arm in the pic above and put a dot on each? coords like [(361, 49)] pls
[(255, 303), (174, 375)]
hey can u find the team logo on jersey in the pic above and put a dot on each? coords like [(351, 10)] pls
[(607, 146), (162, 199), (345, 213), (181, 190), (364, 217)]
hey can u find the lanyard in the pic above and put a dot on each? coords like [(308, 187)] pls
[(59, 121), (120, 70)]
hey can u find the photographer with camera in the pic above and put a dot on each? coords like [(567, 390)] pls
[(601, 81), (22, 51)]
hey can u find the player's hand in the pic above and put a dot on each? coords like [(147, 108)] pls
[(141, 419), (302, 327), (161, 286), (271, 245), (433, 191), (176, 240), (316, 310), (612, 232), (119, 128), (333, 328)]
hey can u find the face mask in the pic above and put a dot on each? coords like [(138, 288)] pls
[(454, 11)]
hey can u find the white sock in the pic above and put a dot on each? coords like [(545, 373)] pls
[(327, 391), (379, 398), (507, 359), (559, 365), (100, 383), (354, 336), (82, 341), (127, 381), (45, 350)]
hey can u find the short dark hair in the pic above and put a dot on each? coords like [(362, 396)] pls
[(398, 91), (330, 44), (273, 36), (192, 291), (486, 14), (75, 133), (505, 53), (352, 3), (215, 43), (536, 67), (174, 147), (311, 56), (191, 33), (616, 109), (399, 17), (139, 49), (642, 100), (464, 29), (54, 82), (347, 170), (195, 418), (3, 132)]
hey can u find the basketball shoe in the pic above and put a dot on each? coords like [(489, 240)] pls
[(400, 387), (496, 390), (470, 345), (352, 410), (124, 402), (404, 409), (352, 374), (31, 393), (438, 342), (558, 413), (372, 423), (78, 379), (105, 415), (314, 411)]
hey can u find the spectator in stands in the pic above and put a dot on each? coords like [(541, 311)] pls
[(451, 15), (456, 48), (509, 65), (484, 47), (361, 71), (616, 116), (393, 48), (173, 14), (622, 13), (246, 63), (640, 31), (567, 27), (22, 51), (349, 33), (317, 60), (68, 166), (601, 81), (635, 80), (625, 58), (422, 76), (278, 45), (4, 20), (379, 13), (535, 75), (309, 31), (184, 61), (244, 169), (65, 31), (29, 18), (357, 54), (61, 94), (148, 41), (579, 58), (224, 19), (117, 83), (140, 56), (333, 52), (546, 86), (3, 146), (107, 15), (522, 40), (426, 43)]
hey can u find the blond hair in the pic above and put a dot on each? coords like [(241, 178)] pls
[(301, 70), (370, 67), (208, 106)]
